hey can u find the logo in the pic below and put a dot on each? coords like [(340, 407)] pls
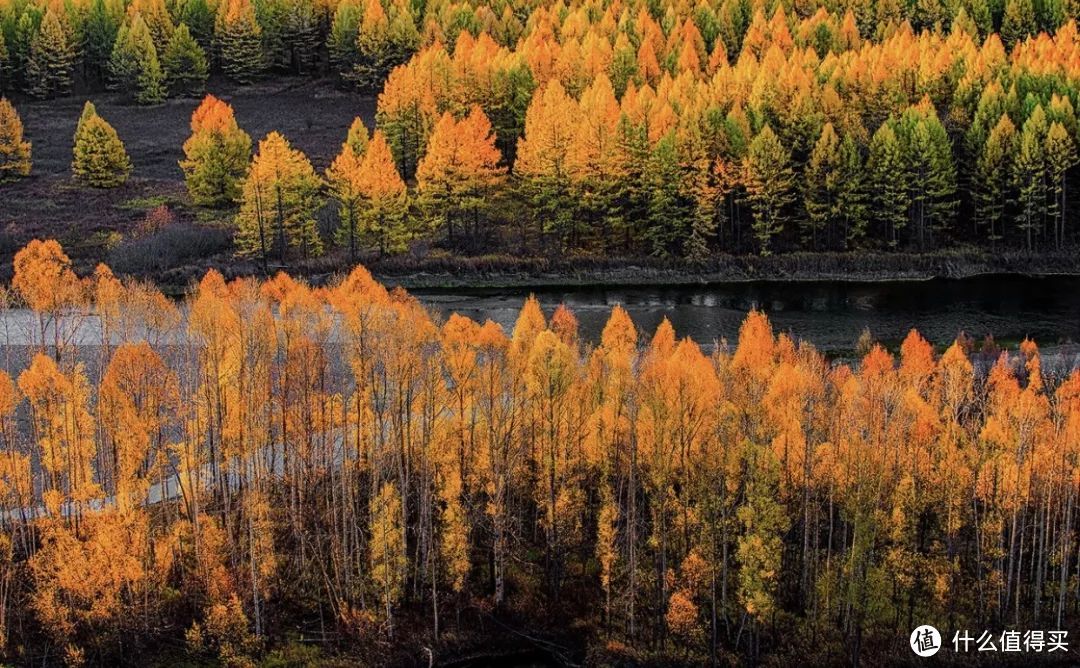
[(925, 640)]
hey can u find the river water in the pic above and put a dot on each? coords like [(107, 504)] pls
[(830, 314)]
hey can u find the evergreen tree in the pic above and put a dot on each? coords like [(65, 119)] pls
[(1060, 158), (820, 186), (278, 205), (199, 18), (238, 41), (99, 35), (667, 211), (185, 64), (216, 155), (51, 58), (344, 29), (887, 183), (1029, 176), (6, 68), (14, 150), (100, 160), (157, 18), (1018, 22), (931, 174), (769, 181), (992, 188), (134, 67)]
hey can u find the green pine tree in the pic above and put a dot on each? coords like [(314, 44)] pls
[(1060, 158), (100, 30), (887, 183), (931, 174), (667, 211), (51, 58), (341, 42), (199, 18), (769, 180), (1029, 176), (134, 67), (100, 160), (185, 64), (991, 189)]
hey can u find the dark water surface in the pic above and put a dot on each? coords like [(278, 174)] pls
[(831, 314)]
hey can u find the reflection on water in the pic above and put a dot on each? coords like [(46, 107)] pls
[(831, 314)]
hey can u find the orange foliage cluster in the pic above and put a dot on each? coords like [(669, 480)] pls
[(269, 452)]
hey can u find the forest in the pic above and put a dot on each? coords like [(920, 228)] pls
[(625, 128), (270, 473)]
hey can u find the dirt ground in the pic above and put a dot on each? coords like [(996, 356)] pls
[(312, 114)]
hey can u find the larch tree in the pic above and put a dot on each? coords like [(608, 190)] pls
[(769, 181), (1029, 176), (100, 160), (459, 172), (280, 196), (887, 183), (216, 154), (134, 66), (47, 285), (238, 41), (184, 64), (344, 179), (51, 58), (1061, 156), (383, 219), (993, 190), (931, 173), (832, 192), (541, 163), (14, 150), (158, 20), (64, 430), (341, 42), (387, 549), (386, 38)]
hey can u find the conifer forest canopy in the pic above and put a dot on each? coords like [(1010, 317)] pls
[(284, 463)]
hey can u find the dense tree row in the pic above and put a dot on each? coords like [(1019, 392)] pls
[(269, 456), (648, 135), (151, 47), (668, 130)]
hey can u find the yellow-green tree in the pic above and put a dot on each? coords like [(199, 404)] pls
[(278, 205), (216, 154), (14, 150), (100, 160)]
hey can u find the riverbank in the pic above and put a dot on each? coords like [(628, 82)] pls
[(453, 273)]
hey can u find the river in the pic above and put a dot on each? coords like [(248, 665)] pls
[(830, 314)]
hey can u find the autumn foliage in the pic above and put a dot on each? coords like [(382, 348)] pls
[(211, 474)]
